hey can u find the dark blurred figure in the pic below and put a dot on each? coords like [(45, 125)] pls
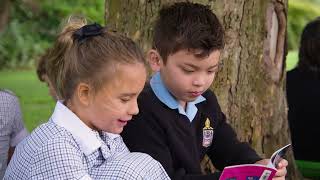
[(303, 95)]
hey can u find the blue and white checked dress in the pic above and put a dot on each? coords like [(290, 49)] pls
[(65, 148), (12, 130)]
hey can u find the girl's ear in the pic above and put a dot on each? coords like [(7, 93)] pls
[(154, 59), (83, 93)]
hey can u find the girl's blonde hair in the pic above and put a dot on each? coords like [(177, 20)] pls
[(91, 60)]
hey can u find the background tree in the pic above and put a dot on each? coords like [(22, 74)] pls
[(4, 13), (250, 87), (28, 27)]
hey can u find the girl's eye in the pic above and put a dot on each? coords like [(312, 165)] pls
[(124, 100)]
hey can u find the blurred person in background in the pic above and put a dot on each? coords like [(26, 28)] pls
[(12, 130), (303, 95)]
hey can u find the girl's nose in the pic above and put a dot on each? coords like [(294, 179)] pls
[(134, 109)]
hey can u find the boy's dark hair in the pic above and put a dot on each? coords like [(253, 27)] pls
[(187, 25), (309, 52)]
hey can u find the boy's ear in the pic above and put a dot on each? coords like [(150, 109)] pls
[(83, 93), (154, 60)]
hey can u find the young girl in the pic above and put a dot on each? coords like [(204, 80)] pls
[(99, 76)]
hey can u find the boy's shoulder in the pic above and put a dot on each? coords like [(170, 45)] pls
[(211, 99), (210, 95), (147, 95)]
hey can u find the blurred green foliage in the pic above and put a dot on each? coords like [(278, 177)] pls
[(300, 12), (292, 60), (34, 24)]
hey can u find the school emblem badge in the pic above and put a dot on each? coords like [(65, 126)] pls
[(207, 134)]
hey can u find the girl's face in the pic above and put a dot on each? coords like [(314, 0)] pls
[(111, 107)]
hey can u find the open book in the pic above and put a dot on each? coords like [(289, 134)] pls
[(255, 171)]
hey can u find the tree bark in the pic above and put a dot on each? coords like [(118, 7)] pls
[(251, 85)]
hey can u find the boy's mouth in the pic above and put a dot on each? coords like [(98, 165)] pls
[(195, 93)]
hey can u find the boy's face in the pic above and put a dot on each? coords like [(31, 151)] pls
[(115, 103), (187, 76)]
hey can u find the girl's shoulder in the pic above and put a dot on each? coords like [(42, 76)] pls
[(50, 136)]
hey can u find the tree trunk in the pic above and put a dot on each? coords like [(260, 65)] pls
[(251, 85), (4, 13)]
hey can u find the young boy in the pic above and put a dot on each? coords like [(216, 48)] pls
[(180, 119), (12, 130)]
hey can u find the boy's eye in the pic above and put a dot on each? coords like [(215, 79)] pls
[(212, 71), (215, 69), (187, 70)]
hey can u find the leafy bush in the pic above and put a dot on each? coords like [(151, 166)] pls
[(299, 14), (34, 25)]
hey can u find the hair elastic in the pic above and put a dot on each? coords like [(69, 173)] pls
[(87, 31)]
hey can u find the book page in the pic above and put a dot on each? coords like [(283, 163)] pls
[(277, 156)]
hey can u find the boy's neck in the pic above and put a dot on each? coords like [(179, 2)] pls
[(183, 104)]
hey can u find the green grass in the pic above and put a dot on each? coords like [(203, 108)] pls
[(36, 104), (292, 59), (309, 169)]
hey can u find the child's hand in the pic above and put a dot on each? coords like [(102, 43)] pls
[(282, 170), (263, 162)]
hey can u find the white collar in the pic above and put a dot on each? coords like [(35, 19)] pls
[(83, 135)]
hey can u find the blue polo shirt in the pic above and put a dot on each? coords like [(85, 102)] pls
[(163, 94)]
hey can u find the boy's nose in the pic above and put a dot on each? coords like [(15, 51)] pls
[(200, 81)]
